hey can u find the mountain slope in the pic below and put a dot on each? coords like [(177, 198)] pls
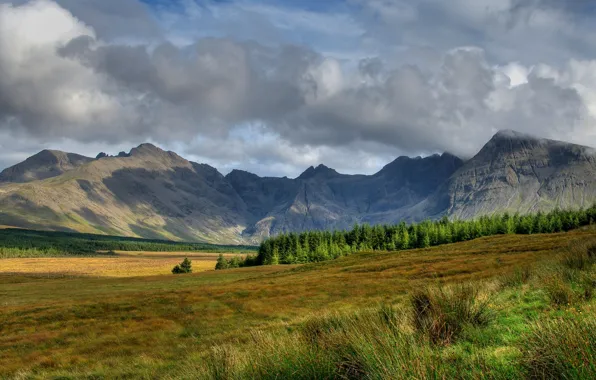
[(151, 193), (45, 164), (520, 173)]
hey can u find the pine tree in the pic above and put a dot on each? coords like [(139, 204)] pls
[(425, 240), (184, 267), (275, 256), (405, 240)]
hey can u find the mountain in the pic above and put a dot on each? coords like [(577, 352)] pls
[(520, 173), (45, 164), (153, 193), (321, 198)]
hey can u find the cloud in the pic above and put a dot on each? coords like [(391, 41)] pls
[(241, 103)]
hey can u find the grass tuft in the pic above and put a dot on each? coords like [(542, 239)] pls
[(518, 277), (559, 292), (561, 349), (442, 313)]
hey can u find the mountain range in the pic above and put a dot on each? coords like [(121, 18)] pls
[(157, 194)]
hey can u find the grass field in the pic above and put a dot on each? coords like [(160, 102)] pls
[(221, 324), (123, 264)]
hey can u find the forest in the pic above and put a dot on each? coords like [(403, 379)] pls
[(53, 243), (315, 246)]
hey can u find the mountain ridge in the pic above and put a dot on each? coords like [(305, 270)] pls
[(154, 193)]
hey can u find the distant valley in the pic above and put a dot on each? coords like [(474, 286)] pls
[(152, 193)]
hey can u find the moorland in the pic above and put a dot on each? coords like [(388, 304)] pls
[(506, 306)]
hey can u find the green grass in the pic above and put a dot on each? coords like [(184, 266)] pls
[(355, 317)]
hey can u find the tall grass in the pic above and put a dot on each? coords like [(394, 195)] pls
[(561, 349), (371, 344), (442, 313), (570, 278), (580, 255), (518, 277)]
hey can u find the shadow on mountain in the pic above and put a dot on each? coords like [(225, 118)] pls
[(88, 188), (188, 199), (94, 219), (147, 232), (48, 218), (175, 193)]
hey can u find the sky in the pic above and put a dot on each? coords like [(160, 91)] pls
[(273, 87)]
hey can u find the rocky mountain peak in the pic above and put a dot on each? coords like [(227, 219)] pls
[(146, 149), (45, 164), (320, 171)]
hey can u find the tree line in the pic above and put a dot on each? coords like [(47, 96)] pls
[(315, 246), (84, 244)]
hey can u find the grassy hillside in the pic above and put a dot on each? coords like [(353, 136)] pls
[(374, 315), (29, 243)]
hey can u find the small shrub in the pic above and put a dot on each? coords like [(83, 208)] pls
[(561, 349), (222, 263), (441, 314), (184, 267), (234, 262), (177, 270)]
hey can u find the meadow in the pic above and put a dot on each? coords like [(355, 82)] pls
[(507, 306)]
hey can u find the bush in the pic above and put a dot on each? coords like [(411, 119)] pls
[(561, 349), (184, 267), (222, 263), (441, 314)]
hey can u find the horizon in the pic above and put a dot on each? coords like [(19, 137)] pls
[(273, 87)]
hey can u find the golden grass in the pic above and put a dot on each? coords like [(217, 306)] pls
[(99, 267), (126, 264), (102, 324)]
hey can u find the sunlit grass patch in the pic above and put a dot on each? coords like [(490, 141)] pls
[(99, 266)]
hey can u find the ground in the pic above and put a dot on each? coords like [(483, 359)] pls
[(99, 321)]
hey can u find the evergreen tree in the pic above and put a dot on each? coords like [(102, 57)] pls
[(184, 267)]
